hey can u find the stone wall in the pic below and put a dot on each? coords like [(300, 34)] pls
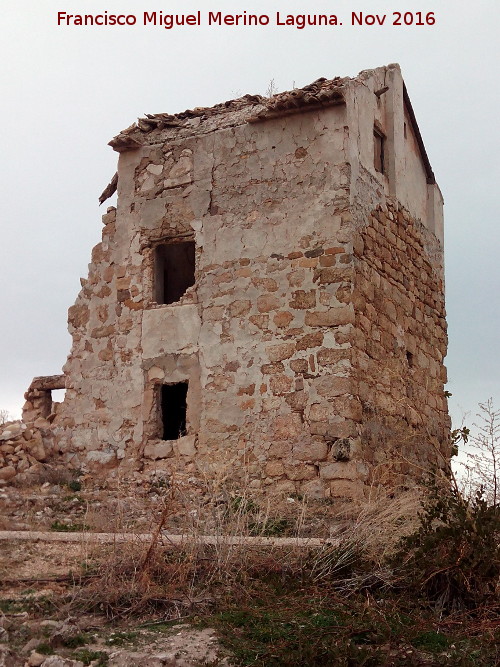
[(400, 343)]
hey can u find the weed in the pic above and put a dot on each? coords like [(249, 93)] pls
[(75, 641), (75, 485), (98, 658), (365, 600), (60, 527), (10, 606), (431, 641), (72, 499), (242, 504), (270, 527), (45, 649), (121, 638)]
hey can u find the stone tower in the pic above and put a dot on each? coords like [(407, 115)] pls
[(267, 298)]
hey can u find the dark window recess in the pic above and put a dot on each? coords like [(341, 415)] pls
[(173, 410), (174, 271), (378, 150)]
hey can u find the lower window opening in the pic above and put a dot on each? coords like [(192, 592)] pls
[(173, 410)]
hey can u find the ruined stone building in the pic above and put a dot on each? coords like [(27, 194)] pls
[(267, 299)]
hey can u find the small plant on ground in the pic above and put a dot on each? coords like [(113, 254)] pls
[(45, 649), (97, 658), (121, 638), (59, 526), (75, 641), (75, 485)]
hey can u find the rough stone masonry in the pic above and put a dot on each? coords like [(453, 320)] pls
[(267, 300)]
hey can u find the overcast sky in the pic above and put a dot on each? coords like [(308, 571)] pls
[(66, 91)]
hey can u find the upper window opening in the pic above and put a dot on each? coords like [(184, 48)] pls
[(174, 271), (378, 150)]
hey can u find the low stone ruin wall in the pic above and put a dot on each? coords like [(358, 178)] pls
[(22, 451)]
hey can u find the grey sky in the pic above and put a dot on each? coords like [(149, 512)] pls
[(67, 90)]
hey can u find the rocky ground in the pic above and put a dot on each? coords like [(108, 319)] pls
[(41, 624), (41, 580)]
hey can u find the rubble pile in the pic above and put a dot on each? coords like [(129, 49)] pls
[(21, 450)]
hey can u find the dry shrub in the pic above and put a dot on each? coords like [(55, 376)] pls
[(132, 579), (143, 576), (365, 536), (379, 523), (138, 575)]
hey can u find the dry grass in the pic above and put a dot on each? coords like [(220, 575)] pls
[(142, 577)]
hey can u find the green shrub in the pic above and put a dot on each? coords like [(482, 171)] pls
[(454, 556), (98, 658), (75, 485)]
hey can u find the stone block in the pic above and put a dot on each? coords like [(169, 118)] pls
[(272, 369), (186, 446), (261, 321), (350, 408), (352, 470), (159, 450), (78, 316), (170, 329), (329, 356), (267, 302), (333, 317), (314, 489), (343, 428), (283, 488), (239, 308), (320, 412), (104, 459), (297, 400), (7, 473), (302, 300), (299, 365), (329, 274), (310, 450), (274, 469), (310, 341), (287, 427), (36, 449), (343, 488), (332, 385), (281, 351), (300, 471), (282, 319)]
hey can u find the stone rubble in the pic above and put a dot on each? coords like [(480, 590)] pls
[(22, 451)]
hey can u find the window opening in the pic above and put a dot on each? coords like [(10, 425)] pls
[(173, 410), (174, 271), (58, 395), (378, 150)]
